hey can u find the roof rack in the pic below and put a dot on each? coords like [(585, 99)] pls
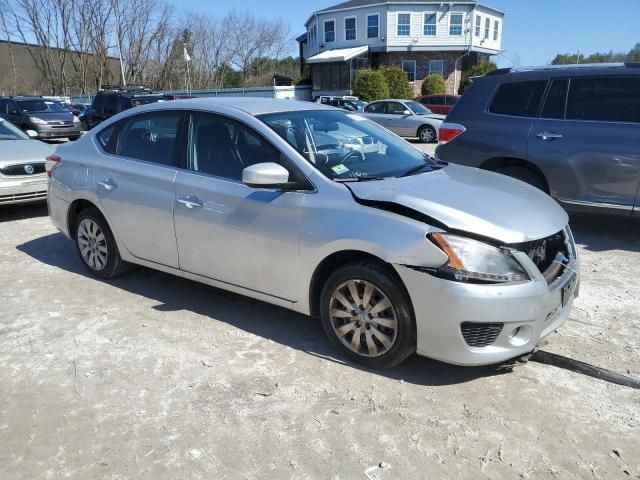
[(125, 88), (502, 71)]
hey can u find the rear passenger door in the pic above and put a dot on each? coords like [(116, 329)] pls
[(134, 181), (226, 230), (587, 141)]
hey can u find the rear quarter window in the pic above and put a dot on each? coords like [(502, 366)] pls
[(518, 99), (605, 99)]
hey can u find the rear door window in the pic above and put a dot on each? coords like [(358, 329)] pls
[(519, 99), (556, 100), (451, 100), (435, 101), (605, 99), (98, 105), (110, 104), (376, 107), (152, 137)]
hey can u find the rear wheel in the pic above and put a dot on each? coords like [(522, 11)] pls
[(97, 246), (367, 315), (427, 134), (523, 174)]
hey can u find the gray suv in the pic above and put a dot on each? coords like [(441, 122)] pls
[(573, 132), (43, 116)]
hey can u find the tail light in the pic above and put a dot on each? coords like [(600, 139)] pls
[(51, 162), (449, 131)]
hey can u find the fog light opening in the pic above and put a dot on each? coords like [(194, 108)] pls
[(520, 336)]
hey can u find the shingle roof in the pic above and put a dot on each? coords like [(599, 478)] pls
[(364, 3)]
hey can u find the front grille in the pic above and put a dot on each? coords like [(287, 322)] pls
[(23, 197), (22, 170), (480, 334), (60, 122), (549, 254)]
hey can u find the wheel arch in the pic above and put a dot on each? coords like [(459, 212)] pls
[(336, 260), (75, 208), (495, 163)]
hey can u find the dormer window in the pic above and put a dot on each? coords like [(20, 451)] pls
[(455, 24), (329, 31)]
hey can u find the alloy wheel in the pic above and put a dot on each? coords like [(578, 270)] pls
[(92, 244), (427, 135), (363, 318)]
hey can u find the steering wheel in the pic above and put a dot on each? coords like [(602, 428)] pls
[(352, 156)]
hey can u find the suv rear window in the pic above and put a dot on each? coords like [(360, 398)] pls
[(613, 99), (520, 99)]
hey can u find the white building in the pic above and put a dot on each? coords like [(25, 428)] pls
[(421, 37)]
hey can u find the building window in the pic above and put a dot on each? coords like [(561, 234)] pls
[(436, 66), (373, 26), (455, 24), (429, 24), (409, 67), (315, 35), (404, 24), (350, 29), (487, 25), (330, 31), (496, 27), (478, 25)]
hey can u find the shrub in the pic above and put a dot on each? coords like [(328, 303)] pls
[(370, 85), (477, 70), (305, 80), (398, 82), (433, 84)]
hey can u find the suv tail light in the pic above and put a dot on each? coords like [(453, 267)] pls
[(449, 131), (51, 162)]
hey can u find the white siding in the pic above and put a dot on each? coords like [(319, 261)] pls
[(480, 41)]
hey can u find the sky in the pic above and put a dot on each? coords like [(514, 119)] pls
[(534, 30)]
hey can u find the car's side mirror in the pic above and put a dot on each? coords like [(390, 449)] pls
[(32, 133), (265, 175), (407, 112)]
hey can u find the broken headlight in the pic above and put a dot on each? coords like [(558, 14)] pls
[(477, 262)]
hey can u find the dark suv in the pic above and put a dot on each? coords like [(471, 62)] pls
[(41, 115), (112, 100), (573, 132)]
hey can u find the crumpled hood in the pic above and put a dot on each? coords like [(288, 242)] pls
[(20, 151), (472, 200)]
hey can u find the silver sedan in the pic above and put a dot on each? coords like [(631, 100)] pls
[(324, 212), (22, 172), (406, 118)]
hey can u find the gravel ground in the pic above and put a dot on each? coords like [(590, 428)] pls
[(154, 377)]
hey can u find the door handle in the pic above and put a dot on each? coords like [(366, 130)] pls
[(548, 136), (108, 184), (190, 201)]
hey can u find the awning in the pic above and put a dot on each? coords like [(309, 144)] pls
[(338, 55)]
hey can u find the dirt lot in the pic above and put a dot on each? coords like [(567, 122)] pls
[(154, 377)]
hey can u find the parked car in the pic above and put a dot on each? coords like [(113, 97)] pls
[(349, 104), (22, 172), (441, 104), (396, 251), (83, 118), (573, 132), (113, 100), (406, 118), (45, 117)]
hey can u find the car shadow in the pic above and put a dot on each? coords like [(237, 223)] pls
[(599, 233), (280, 325), (10, 213)]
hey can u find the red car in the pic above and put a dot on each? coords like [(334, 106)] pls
[(437, 103)]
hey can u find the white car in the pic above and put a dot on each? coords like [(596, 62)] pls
[(22, 173)]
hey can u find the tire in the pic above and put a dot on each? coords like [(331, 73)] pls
[(427, 134), (103, 258), (378, 345), (523, 174), (74, 138)]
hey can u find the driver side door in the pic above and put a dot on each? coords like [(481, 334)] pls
[(226, 230), (399, 122)]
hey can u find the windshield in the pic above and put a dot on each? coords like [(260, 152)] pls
[(39, 106), (347, 147), (417, 108), (9, 132)]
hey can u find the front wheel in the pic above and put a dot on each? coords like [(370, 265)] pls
[(427, 134), (367, 314)]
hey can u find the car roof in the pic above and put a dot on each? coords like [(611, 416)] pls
[(251, 105), (556, 71)]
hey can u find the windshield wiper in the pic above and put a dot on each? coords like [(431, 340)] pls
[(364, 178), (419, 168)]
